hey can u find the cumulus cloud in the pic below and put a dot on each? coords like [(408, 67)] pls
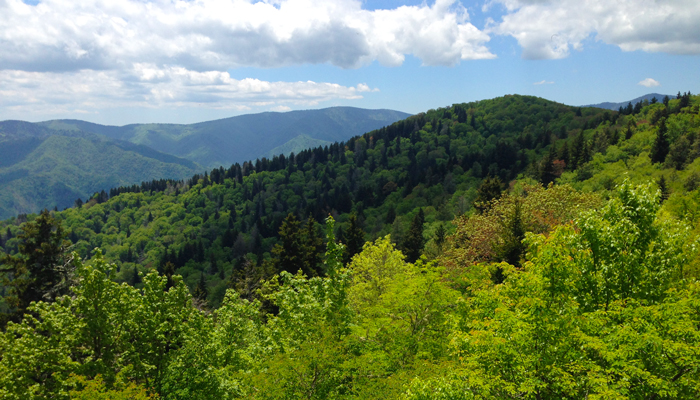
[(544, 82), (548, 29), (649, 82), (83, 55), (62, 35), (149, 86)]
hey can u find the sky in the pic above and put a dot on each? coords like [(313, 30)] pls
[(119, 62)]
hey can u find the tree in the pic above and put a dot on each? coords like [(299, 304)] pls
[(313, 248), (201, 292), (354, 238), (40, 270), (547, 169), (414, 242), (513, 248), (489, 190), (661, 146), (440, 237), (288, 253)]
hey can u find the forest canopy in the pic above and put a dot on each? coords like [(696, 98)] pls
[(512, 248)]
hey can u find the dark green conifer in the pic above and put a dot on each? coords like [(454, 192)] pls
[(201, 292), (288, 252), (354, 238), (135, 278), (414, 242), (440, 237), (661, 147), (313, 249), (40, 271), (390, 215)]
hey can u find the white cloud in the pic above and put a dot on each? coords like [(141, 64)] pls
[(544, 82), (91, 54), (58, 35), (649, 82), (281, 108), (148, 86), (551, 29)]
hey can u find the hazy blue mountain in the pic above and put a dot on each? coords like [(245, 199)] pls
[(297, 144), (616, 106), (245, 137), (46, 168)]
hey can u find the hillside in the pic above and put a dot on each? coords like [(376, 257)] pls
[(433, 161), (246, 137), (490, 285), (43, 168)]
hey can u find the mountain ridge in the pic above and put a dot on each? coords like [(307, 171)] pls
[(225, 141), (616, 106)]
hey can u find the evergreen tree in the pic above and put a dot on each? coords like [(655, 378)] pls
[(354, 238), (213, 267), (313, 249), (40, 270), (169, 271), (135, 278), (661, 147), (489, 189), (288, 254), (414, 242), (440, 237), (390, 215), (201, 292), (547, 167)]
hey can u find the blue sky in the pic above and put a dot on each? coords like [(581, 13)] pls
[(129, 61)]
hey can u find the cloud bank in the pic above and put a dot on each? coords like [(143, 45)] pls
[(96, 53), (550, 29), (148, 86)]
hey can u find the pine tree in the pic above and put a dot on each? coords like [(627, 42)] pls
[(390, 215), (201, 292), (288, 253), (169, 271), (354, 238), (414, 242), (661, 147), (40, 270), (135, 278), (547, 167), (313, 249), (213, 267), (440, 237)]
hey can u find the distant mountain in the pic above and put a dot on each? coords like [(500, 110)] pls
[(46, 168), (616, 106), (245, 137), (296, 145)]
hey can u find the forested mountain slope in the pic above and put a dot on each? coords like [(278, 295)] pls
[(44, 168), (434, 162), (586, 287), (245, 137)]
